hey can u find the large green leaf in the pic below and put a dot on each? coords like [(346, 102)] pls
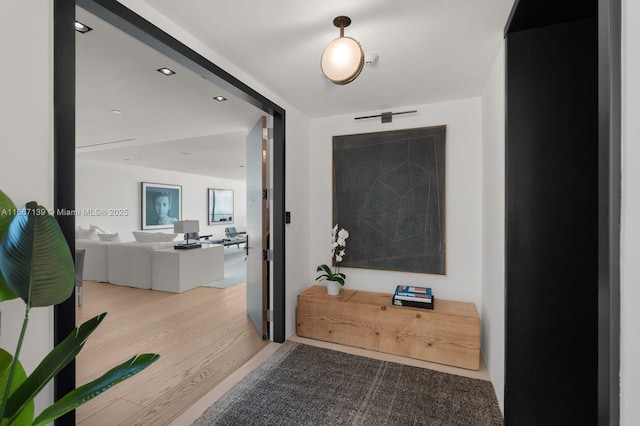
[(51, 365), (7, 213), (329, 275), (35, 258), (26, 416), (84, 393)]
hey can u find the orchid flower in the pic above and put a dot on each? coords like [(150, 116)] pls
[(338, 242)]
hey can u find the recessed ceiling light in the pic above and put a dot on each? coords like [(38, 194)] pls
[(220, 98), (82, 28), (116, 111), (166, 71)]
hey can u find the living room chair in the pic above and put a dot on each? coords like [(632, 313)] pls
[(196, 236), (234, 237)]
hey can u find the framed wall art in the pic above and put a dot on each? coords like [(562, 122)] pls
[(220, 206), (389, 193), (161, 205)]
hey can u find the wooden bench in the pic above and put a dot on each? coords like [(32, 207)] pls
[(448, 334)]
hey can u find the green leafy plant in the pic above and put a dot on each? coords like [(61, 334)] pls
[(36, 265), (338, 243)]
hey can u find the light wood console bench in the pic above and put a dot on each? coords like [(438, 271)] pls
[(448, 334)]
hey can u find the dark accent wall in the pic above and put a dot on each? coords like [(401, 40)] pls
[(554, 202), (552, 225)]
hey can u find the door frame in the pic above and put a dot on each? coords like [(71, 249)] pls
[(64, 53)]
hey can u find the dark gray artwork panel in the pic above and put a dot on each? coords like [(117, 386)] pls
[(389, 193)]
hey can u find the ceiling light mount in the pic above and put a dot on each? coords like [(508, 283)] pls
[(343, 59), (342, 22)]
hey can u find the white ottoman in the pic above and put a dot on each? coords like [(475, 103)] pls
[(181, 270)]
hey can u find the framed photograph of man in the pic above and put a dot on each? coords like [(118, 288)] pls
[(161, 205), (220, 207)]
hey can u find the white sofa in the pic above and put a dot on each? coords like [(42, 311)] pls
[(95, 240), (130, 263), (95, 259)]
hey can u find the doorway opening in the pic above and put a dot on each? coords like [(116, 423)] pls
[(65, 164)]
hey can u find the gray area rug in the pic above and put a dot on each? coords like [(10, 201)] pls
[(306, 385), (235, 268)]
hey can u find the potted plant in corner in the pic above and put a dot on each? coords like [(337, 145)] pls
[(36, 265), (335, 279)]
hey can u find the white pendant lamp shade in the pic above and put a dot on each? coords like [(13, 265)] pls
[(343, 59)]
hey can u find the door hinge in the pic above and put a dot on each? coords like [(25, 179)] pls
[(267, 194), (267, 255), (267, 315)]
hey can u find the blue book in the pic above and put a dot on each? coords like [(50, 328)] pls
[(411, 291)]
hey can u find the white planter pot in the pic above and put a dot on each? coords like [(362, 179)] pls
[(333, 288)]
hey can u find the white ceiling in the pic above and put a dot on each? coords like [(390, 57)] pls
[(166, 122), (429, 51)]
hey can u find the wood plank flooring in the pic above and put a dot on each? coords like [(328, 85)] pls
[(202, 336)]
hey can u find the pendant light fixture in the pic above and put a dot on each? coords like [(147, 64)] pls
[(343, 59)]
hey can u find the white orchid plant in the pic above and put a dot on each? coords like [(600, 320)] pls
[(338, 243)]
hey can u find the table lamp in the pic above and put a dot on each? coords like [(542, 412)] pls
[(186, 227)]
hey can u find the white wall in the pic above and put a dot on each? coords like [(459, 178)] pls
[(297, 194), (109, 186), (630, 231), (463, 198), (493, 217), (26, 128)]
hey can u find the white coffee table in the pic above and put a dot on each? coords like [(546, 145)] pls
[(181, 270)]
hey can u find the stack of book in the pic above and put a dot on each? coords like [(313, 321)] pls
[(417, 297)]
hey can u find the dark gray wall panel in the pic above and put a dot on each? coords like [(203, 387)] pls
[(552, 225)]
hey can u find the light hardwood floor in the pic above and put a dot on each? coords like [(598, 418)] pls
[(202, 336)]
